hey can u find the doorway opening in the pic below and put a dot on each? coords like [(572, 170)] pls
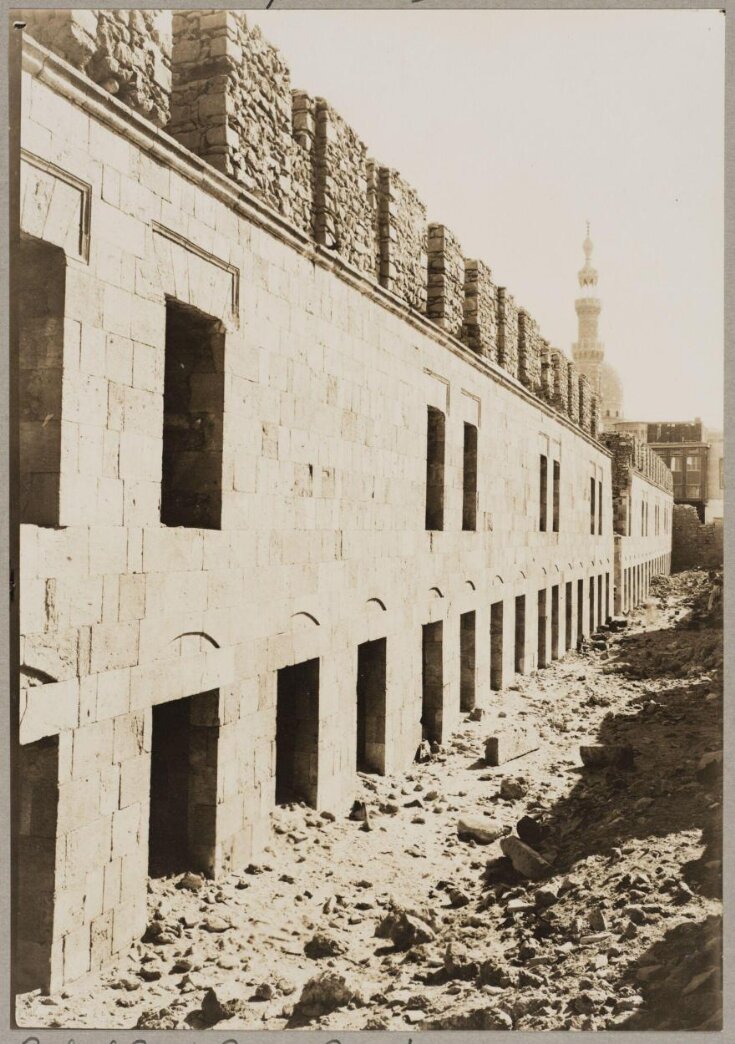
[(555, 622), (371, 706), (297, 733), (183, 809), (542, 656), (568, 616), (467, 661), (520, 634), (496, 646), (432, 681)]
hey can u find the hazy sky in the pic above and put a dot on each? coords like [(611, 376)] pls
[(517, 127)]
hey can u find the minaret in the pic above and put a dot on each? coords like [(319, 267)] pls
[(587, 352)]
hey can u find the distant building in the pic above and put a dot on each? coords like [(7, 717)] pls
[(588, 352), (694, 455)]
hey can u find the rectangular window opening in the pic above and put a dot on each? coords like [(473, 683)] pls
[(543, 493), (371, 684), (593, 486), (556, 495), (599, 508), (467, 661), (297, 733), (193, 408), (469, 486), (435, 436), (41, 309)]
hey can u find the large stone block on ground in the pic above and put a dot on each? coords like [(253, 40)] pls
[(510, 742), (480, 829), (524, 858)]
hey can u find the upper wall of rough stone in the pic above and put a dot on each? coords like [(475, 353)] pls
[(217, 86), (128, 53), (631, 455)]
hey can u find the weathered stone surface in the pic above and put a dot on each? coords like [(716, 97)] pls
[(525, 860), (480, 327), (324, 993), (401, 236), (507, 314), (512, 741), (480, 829), (221, 1002), (445, 294), (404, 928)]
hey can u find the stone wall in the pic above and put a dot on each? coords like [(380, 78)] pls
[(323, 382), (230, 100), (343, 220), (631, 454), (508, 332), (445, 292), (480, 328), (559, 381), (128, 53), (529, 352), (696, 545), (400, 218), (642, 502), (585, 403)]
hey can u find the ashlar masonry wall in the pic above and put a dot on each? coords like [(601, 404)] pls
[(319, 544)]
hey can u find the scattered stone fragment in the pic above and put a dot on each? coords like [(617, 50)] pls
[(457, 897), (216, 924), (480, 829), (404, 929), (607, 756), (323, 945), (513, 789), (221, 1002), (476, 1019), (191, 882), (524, 858), (325, 993), (530, 831)]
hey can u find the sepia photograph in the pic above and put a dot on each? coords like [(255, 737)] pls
[(367, 485)]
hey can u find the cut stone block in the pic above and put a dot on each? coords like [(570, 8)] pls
[(525, 860), (511, 742), (480, 829)]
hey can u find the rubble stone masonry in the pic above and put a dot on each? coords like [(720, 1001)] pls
[(298, 413)]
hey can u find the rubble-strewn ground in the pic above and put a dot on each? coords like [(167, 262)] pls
[(624, 931)]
